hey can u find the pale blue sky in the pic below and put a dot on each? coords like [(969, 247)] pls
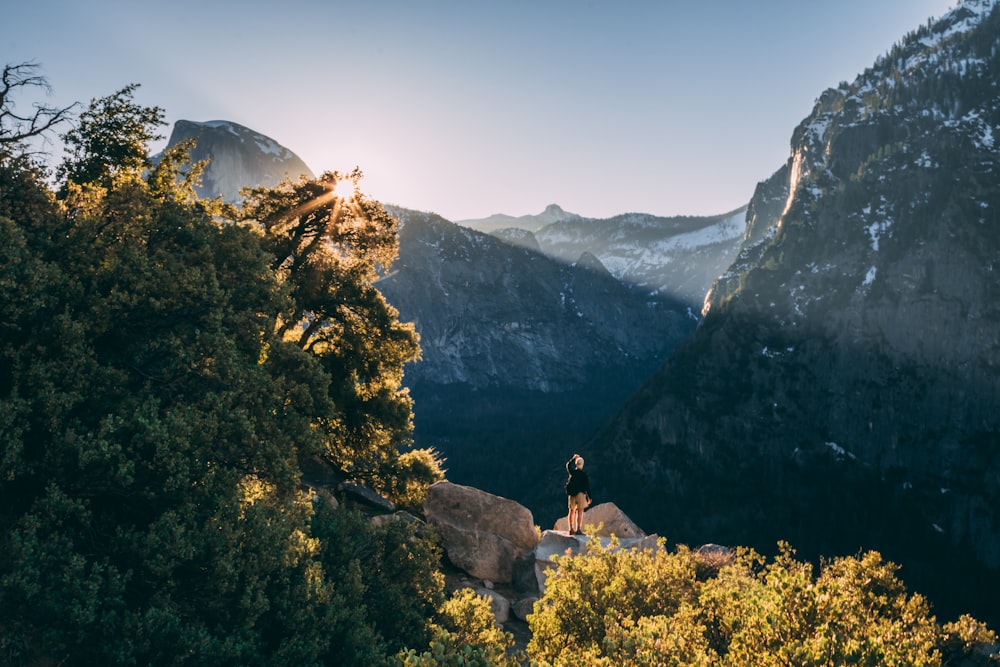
[(478, 107)]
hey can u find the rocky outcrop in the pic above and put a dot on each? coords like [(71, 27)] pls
[(494, 540), (483, 534), (605, 519)]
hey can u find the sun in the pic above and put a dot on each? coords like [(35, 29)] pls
[(345, 189)]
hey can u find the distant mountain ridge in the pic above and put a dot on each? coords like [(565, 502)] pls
[(843, 388), (552, 213), (679, 256)]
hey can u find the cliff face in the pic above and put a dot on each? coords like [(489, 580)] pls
[(239, 157), (843, 389), (491, 314)]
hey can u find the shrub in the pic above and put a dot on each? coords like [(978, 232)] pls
[(467, 635), (613, 607), (415, 470)]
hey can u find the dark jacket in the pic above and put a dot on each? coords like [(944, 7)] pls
[(578, 481)]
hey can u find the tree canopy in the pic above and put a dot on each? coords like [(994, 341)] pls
[(165, 365)]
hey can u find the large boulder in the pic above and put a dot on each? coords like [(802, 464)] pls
[(615, 522), (560, 543), (483, 534), (553, 543)]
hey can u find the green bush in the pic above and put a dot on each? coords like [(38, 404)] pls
[(653, 607), (467, 635), (414, 471)]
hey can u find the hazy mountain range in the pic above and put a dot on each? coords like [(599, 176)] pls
[(841, 390)]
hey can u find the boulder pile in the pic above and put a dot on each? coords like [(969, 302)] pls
[(496, 541)]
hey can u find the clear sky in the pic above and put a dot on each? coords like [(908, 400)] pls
[(473, 107)]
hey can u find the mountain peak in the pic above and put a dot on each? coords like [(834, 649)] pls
[(239, 157), (532, 223)]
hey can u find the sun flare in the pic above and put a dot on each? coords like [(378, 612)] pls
[(344, 189)]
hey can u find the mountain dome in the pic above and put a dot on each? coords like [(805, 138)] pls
[(238, 157)]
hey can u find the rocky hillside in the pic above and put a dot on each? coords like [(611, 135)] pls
[(494, 315), (239, 157), (523, 356), (843, 389)]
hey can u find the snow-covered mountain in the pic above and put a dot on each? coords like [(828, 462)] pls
[(843, 388), (239, 157), (679, 256)]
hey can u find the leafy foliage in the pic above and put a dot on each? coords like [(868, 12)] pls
[(415, 471), (153, 411), (328, 250), (111, 136), (653, 607), (466, 635)]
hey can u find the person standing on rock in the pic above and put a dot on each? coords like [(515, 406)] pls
[(577, 492)]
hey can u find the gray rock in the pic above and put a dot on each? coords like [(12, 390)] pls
[(615, 522), (359, 493), (499, 605), (240, 157), (554, 543), (523, 607), (481, 533)]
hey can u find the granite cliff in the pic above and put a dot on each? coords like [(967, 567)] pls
[(843, 388), (238, 157)]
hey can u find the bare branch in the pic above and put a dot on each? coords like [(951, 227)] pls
[(15, 127)]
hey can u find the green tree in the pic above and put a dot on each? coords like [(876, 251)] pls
[(466, 635), (152, 417), (328, 251), (601, 595), (111, 136), (150, 484), (414, 472)]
